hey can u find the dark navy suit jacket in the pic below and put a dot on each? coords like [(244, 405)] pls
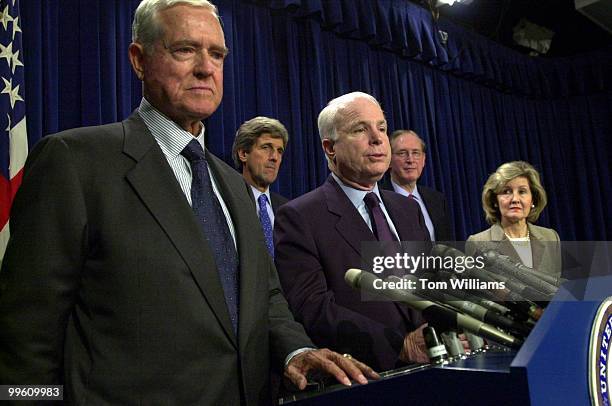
[(318, 237), (436, 207)]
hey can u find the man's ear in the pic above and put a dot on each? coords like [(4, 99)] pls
[(137, 55), (328, 148), (242, 155)]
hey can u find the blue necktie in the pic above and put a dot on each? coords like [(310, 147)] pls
[(266, 224), (208, 210)]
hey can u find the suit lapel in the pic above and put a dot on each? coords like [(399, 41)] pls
[(250, 192), (431, 204), (537, 247), (393, 209), (350, 224), (505, 247), (277, 201), (157, 187)]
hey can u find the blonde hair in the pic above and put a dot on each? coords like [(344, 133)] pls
[(498, 180)]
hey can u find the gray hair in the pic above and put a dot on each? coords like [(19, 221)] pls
[(146, 29), (251, 130), (397, 133), (498, 180), (329, 117)]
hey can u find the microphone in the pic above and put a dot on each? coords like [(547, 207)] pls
[(502, 264), (471, 297), (509, 296), (556, 281), (473, 309), (432, 312), (526, 291), (522, 309)]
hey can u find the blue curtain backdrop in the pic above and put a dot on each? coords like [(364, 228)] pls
[(475, 103)]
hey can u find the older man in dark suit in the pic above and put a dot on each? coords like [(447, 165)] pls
[(318, 237), (407, 163), (134, 273)]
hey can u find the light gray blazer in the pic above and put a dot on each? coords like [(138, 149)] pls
[(545, 246)]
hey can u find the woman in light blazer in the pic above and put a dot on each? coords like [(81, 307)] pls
[(512, 199)]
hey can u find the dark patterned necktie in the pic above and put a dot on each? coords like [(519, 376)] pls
[(380, 227), (208, 210), (266, 223)]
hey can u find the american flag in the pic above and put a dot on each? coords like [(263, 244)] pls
[(13, 137)]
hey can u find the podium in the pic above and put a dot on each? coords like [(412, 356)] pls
[(551, 368)]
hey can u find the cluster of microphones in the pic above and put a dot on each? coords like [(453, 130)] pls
[(504, 316)]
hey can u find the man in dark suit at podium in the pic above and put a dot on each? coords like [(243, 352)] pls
[(318, 237), (258, 153), (407, 163), (134, 273)]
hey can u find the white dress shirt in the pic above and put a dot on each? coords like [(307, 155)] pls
[(256, 194), (356, 197), (172, 139)]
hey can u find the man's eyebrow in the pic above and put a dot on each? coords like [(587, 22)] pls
[(196, 44), (180, 42), (366, 122), (220, 48)]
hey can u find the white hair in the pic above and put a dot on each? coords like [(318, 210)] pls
[(329, 119), (146, 29)]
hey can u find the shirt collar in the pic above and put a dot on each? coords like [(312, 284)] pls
[(171, 138), (257, 193), (398, 189), (355, 195)]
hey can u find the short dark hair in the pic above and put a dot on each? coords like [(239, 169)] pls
[(251, 130)]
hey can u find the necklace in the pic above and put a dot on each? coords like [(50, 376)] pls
[(526, 238)]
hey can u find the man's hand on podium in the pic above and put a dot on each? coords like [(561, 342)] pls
[(329, 362), (414, 349)]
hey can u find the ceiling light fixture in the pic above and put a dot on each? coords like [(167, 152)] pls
[(451, 2)]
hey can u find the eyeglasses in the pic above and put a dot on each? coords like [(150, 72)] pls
[(415, 154)]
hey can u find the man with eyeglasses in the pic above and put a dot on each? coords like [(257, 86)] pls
[(407, 163)]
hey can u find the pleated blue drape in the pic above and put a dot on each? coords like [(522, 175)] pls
[(476, 103)]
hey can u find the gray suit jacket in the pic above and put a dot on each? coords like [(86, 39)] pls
[(545, 246), (108, 285)]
